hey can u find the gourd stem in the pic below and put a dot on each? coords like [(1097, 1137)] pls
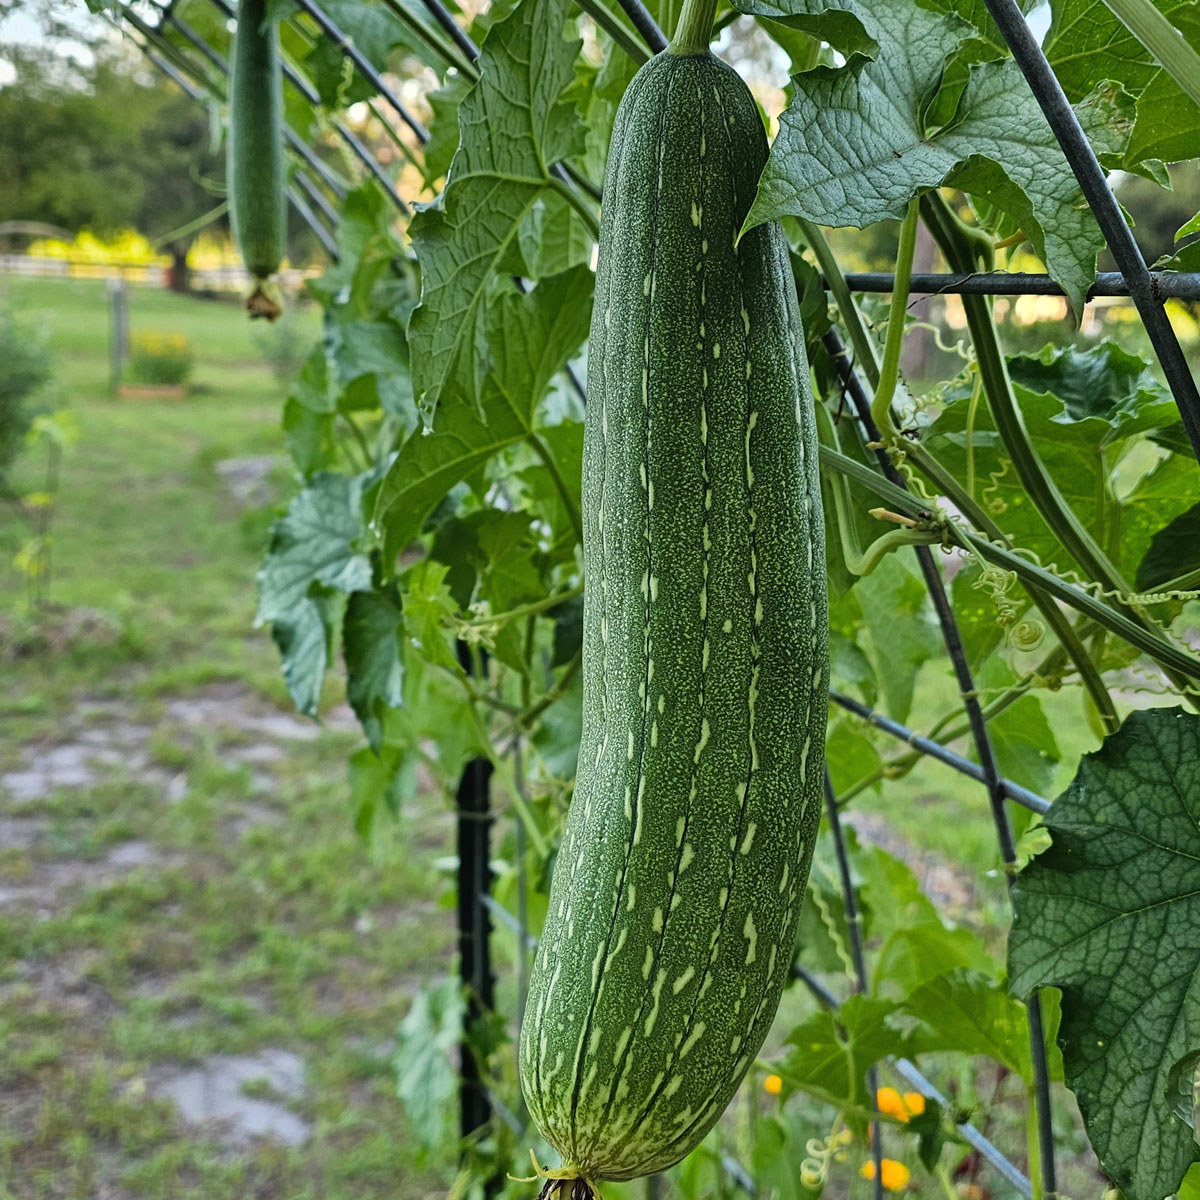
[(695, 28)]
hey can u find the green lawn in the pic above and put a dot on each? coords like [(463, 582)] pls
[(198, 891)]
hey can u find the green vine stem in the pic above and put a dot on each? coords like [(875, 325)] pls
[(539, 447), (889, 370), (933, 470), (1167, 654), (578, 203), (865, 353), (525, 610), (969, 250)]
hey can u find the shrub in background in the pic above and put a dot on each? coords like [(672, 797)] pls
[(24, 372), (160, 358)]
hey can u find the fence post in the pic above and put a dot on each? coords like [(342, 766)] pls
[(474, 935), (118, 333)]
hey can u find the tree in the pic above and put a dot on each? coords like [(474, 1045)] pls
[(104, 146)]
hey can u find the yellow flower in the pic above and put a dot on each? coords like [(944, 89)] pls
[(892, 1104), (893, 1174), (772, 1085)]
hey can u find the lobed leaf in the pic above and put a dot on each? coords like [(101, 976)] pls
[(1110, 914), (513, 127)]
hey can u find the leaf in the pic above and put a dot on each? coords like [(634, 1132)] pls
[(1168, 120), (377, 349), (1110, 914), (1026, 750), (902, 633), (916, 943), (838, 25), (965, 1011), (314, 543), (1173, 551), (828, 1055), (304, 639), (308, 414), (513, 128), (1103, 382), (853, 147), (531, 337), (425, 1061), (443, 129), (553, 237), (1087, 44), (374, 665)]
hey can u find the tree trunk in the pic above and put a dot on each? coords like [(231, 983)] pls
[(177, 274)]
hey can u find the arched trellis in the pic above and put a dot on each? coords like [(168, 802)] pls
[(1148, 290)]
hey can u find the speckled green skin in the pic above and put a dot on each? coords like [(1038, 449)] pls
[(255, 167), (679, 882)]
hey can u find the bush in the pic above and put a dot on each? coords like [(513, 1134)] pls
[(24, 371), (160, 358)]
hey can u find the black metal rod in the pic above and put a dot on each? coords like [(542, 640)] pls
[(1012, 791), (346, 45), (1166, 285), (855, 930), (442, 15), (317, 197), (1094, 184), (474, 930), (991, 778), (645, 24), (310, 218)]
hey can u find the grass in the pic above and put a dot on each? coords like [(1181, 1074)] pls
[(248, 916)]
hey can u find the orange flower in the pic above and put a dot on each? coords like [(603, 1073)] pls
[(772, 1085), (894, 1175), (892, 1104)]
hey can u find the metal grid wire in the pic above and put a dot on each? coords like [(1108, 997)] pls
[(1148, 291)]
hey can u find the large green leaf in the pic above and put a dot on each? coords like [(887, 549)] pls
[(1087, 45), (903, 634), (854, 146), (530, 338), (513, 127), (313, 555), (426, 1061), (374, 663), (829, 1054), (314, 542), (1173, 551), (964, 1010), (1110, 914)]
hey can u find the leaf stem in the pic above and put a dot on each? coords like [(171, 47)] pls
[(860, 339), (889, 370), (611, 25), (539, 447), (577, 202), (525, 610)]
